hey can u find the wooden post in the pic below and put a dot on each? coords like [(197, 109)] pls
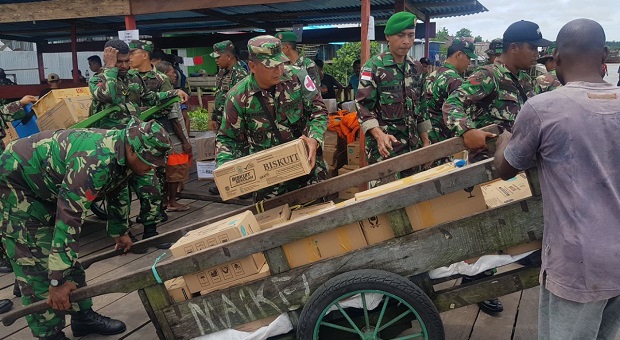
[(130, 22), (364, 56), (40, 64), (74, 59)]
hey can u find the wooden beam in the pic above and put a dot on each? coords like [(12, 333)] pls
[(62, 9), (40, 63), (74, 59), (233, 18), (411, 8), (130, 22), (436, 4), (149, 6)]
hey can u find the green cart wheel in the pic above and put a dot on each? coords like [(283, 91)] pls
[(401, 310)]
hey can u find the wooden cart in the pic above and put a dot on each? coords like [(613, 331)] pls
[(395, 269)]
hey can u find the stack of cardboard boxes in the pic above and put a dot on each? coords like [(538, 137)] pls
[(204, 154), (62, 108), (353, 163), (334, 152)]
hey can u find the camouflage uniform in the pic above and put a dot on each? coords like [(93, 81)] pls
[(386, 98), (302, 62), (546, 82), (225, 80), (444, 81), (488, 96), (297, 110), (47, 184), (8, 113)]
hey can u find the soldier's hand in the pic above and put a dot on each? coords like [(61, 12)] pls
[(184, 97), (384, 141), (123, 242), (187, 148), (475, 139), (312, 145), (27, 100), (109, 57), (213, 125), (59, 296)]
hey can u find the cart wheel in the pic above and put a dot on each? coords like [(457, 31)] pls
[(402, 306), (98, 208)]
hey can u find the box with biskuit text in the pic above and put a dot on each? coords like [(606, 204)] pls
[(66, 113), (262, 169), (52, 98)]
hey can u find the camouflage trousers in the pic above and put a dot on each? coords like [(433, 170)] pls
[(27, 232), (148, 188), (402, 147), (318, 174)]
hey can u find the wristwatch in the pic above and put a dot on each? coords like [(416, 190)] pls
[(57, 283)]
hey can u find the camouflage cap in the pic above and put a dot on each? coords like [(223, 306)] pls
[(267, 49), (495, 47), (149, 140), (221, 47), (546, 55), (399, 22), (287, 36), (141, 45), (464, 46)]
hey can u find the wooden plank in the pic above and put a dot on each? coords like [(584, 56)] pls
[(62, 9), (147, 331), (399, 221), (526, 327), (204, 195), (458, 323), (149, 310), (499, 326), (276, 259), (149, 6), (158, 299)]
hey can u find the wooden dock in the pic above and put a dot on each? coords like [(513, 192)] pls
[(518, 321)]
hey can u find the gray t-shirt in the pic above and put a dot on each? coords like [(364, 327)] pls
[(574, 134)]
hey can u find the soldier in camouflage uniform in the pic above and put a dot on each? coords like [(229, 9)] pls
[(14, 111), (275, 104), (495, 50), (388, 93), (548, 81), (495, 93), (47, 184), (230, 73), (442, 83), (289, 48)]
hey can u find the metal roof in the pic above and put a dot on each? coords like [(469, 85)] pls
[(269, 17)]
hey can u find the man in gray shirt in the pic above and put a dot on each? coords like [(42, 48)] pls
[(571, 135)]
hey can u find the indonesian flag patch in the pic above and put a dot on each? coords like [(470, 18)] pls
[(366, 75), (309, 84)]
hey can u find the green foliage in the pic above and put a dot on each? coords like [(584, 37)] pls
[(341, 67), (478, 39), (442, 35), (463, 33), (613, 45), (199, 119)]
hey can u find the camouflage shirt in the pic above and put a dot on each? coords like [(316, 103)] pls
[(488, 96), (69, 169), (225, 80), (8, 113), (387, 96), (158, 82), (128, 93), (546, 82), (310, 67), (440, 85), (296, 110)]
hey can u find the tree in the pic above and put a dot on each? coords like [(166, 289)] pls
[(478, 39), (341, 67), (442, 35), (463, 33)]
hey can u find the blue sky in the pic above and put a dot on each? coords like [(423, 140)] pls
[(550, 15)]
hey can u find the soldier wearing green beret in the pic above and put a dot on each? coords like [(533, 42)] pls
[(48, 182), (275, 104), (289, 48), (388, 93), (548, 81)]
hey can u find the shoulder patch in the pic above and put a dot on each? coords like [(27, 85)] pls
[(366, 74), (309, 84)]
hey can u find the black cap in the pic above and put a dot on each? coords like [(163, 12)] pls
[(525, 31), (425, 61)]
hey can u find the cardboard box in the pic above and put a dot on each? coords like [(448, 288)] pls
[(225, 273), (205, 146), (350, 192), (523, 248), (331, 105), (330, 138), (53, 97), (66, 113), (216, 233), (499, 192), (262, 273), (334, 158), (255, 325), (353, 153), (11, 135), (262, 169), (324, 245), (377, 229), (210, 106), (349, 106), (311, 210), (446, 208), (204, 169), (347, 168), (274, 216), (178, 289)]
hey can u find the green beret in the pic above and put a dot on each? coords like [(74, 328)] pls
[(287, 36), (399, 22)]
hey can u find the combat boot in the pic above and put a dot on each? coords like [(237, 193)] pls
[(5, 266), (151, 231), (90, 322), (57, 336), (16, 291), (5, 305)]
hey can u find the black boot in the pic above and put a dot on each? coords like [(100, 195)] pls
[(5, 305), (151, 231), (5, 266), (491, 306), (214, 191), (90, 322), (135, 250), (16, 291), (57, 336)]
